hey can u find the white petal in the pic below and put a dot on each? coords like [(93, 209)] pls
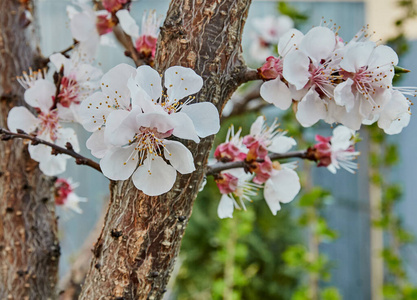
[(225, 208), (271, 197), (311, 109), (281, 144), (257, 126), (181, 82), (114, 84), (96, 144), (395, 115), (21, 118), (179, 156), (282, 187), (59, 61), (289, 41), (49, 164), (357, 56), (149, 81), (184, 127), (205, 117), (277, 93), (40, 95), (65, 135), (344, 96), (83, 26), (121, 127), (341, 136), (295, 70), (127, 23), (119, 163), (94, 111), (154, 177), (318, 43), (382, 56), (161, 121)]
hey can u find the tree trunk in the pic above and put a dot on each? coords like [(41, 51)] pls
[(141, 237), (29, 248)]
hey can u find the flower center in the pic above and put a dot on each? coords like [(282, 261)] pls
[(69, 92), (49, 123)]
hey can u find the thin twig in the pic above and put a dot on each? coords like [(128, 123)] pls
[(79, 159), (218, 167)]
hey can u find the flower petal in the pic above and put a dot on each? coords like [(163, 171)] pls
[(83, 26), (226, 207), (154, 177), (256, 127), (161, 121), (277, 93), (343, 95), (395, 115), (181, 82), (127, 23), (40, 95), (121, 127), (50, 165), (59, 61), (21, 118), (179, 156), (281, 144), (282, 187), (184, 127), (318, 43), (114, 84), (357, 56), (119, 163), (97, 145), (311, 109), (205, 117), (149, 81), (94, 110), (295, 69), (289, 41), (67, 135)]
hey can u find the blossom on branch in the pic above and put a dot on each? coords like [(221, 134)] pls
[(45, 124), (133, 119), (327, 80), (337, 151), (79, 81), (65, 196)]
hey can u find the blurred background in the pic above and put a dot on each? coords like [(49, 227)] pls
[(346, 236)]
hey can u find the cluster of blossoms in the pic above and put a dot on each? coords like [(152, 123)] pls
[(65, 196), (280, 181), (90, 28), (327, 79), (268, 31), (133, 117), (52, 105)]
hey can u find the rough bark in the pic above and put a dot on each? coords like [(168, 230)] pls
[(141, 237), (29, 248)]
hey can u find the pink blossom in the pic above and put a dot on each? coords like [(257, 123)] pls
[(227, 183), (65, 196), (113, 5), (271, 69)]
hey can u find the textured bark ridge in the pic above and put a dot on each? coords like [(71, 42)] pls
[(29, 249), (141, 237)]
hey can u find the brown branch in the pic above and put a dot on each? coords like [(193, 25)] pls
[(42, 62), (249, 75), (79, 159), (219, 167), (240, 106)]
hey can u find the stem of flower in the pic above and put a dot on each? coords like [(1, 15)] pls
[(79, 159), (218, 167)]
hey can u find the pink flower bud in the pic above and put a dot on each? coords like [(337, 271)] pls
[(323, 151), (228, 152), (104, 24), (257, 149), (113, 5), (227, 183), (146, 45), (62, 189), (271, 69), (263, 170)]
